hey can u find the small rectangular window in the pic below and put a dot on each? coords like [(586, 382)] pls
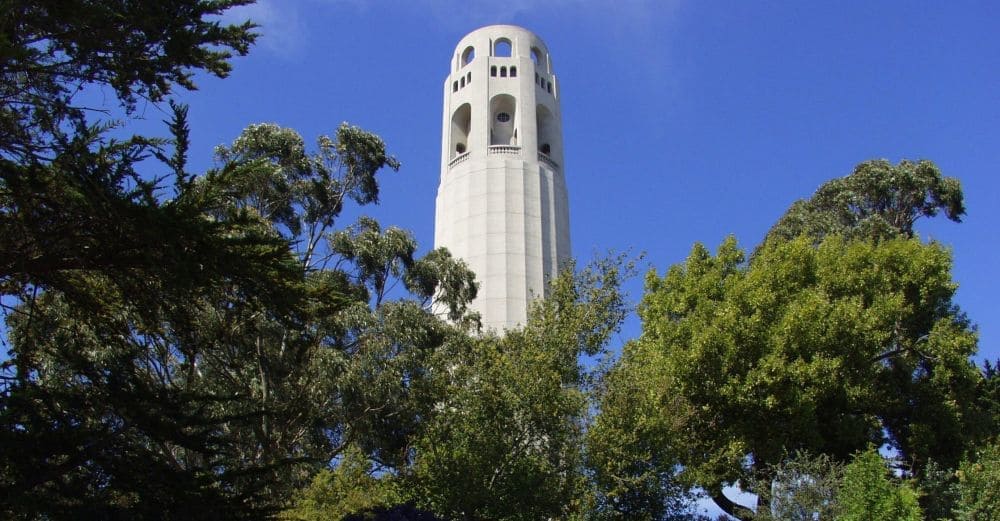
[(493, 71)]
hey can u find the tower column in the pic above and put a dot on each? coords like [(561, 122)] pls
[(502, 202)]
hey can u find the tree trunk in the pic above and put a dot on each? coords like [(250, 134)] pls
[(728, 506)]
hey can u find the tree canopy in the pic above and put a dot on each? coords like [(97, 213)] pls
[(840, 332), (188, 345), (824, 349), (877, 200)]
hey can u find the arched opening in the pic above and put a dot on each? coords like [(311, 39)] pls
[(548, 86), (513, 71), (502, 48), (454, 87), (468, 55), (538, 58), (493, 71), (461, 124), (502, 120), (461, 82), (548, 132), (503, 72)]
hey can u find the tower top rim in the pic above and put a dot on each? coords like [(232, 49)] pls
[(500, 26), (501, 30)]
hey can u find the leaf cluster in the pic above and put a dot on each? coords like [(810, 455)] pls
[(824, 349), (51, 50), (877, 200)]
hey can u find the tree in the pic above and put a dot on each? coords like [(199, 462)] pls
[(629, 444), (821, 348), (72, 198), (349, 488), (504, 438), (978, 485), (877, 200), (500, 434), (181, 349), (838, 330), (988, 400), (234, 395), (801, 488), (90, 246), (867, 492)]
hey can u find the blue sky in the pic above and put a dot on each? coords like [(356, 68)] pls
[(683, 121)]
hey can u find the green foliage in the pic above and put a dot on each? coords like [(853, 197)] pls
[(629, 446), (988, 400), (492, 427), (348, 489), (194, 349), (938, 490), (801, 488), (867, 492), (101, 275), (504, 438), (979, 485), (237, 381), (49, 50), (505, 433), (877, 200), (808, 348)]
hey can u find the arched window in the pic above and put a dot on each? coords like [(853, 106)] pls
[(503, 72), (493, 71), (538, 58), (503, 117), (547, 132), (513, 71), (461, 83), (502, 48), (461, 124), (454, 87), (468, 55), (468, 77), (548, 86)]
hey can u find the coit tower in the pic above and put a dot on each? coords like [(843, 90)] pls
[(502, 203)]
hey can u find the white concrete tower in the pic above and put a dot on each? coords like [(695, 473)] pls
[(502, 203)]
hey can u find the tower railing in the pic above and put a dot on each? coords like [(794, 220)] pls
[(458, 159), (510, 150), (547, 160)]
